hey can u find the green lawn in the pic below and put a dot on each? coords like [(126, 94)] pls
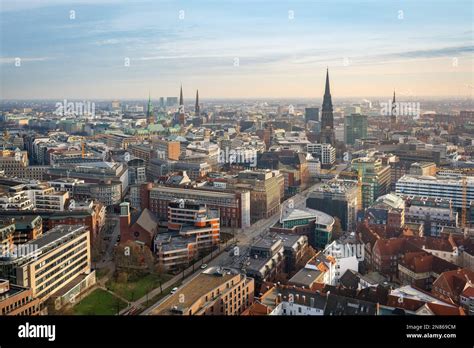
[(99, 302), (137, 288)]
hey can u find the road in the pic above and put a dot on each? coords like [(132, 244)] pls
[(244, 240), (249, 235)]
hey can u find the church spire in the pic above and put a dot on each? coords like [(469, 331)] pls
[(327, 91), (393, 113), (181, 115), (149, 111), (197, 109), (327, 119)]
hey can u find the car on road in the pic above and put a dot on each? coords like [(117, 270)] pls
[(174, 290), (204, 266), (229, 248)]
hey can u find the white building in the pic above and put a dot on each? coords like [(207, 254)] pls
[(347, 256), (325, 152), (437, 187), (314, 165)]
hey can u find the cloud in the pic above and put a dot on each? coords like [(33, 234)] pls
[(107, 42), (12, 60)]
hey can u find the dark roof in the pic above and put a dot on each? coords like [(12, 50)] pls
[(350, 279), (340, 305)]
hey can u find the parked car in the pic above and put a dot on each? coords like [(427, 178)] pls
[(203, 265)]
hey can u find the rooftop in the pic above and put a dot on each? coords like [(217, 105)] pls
[(192, 291)]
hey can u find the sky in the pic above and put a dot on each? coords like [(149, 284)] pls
[(113, 49)]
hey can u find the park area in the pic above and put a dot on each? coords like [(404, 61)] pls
[(136, 287), (99, 302)]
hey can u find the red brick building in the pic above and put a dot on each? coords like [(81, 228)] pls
[(450, 285)]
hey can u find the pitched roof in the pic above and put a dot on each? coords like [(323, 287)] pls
[(147, 220), (454, 281), (438, 309), (257, 308)]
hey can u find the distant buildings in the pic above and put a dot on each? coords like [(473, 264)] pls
[(15, 164), (95, 172), (311, 114)]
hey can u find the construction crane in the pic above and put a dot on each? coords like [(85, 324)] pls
[(359, 189), (464, 202), (83, 148)]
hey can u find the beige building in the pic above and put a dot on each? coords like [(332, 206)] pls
[(216, 291), (423, 168), (267, 188), (168, 150), (15, 165), (17, 300), (50, 262)]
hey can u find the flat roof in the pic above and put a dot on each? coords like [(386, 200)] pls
[(46, 240), (190, 292), (305, 276)]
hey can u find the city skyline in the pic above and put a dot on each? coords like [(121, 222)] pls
[(242, 49)]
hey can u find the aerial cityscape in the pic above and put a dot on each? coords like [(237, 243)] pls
[(194, 158)]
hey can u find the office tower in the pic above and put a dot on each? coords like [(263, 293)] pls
[(327, 119), (116, 105), (311, 114), (149, 112), (375, 178), (171, 101), (355, 127)]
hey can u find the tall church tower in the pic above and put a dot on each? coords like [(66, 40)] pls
[(393, 114), (181, 116), (149, 112), (197, 108), (327, 119)]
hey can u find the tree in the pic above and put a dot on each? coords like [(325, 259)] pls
[(133, 256), (337, 229)]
